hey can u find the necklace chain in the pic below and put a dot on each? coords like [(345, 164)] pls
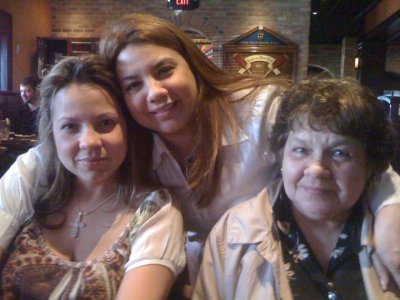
[(96, 207), (77, 224), (187, 162)]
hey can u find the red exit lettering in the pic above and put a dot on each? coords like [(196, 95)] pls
[(182, 2)]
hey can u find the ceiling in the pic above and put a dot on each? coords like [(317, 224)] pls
[(336, 19)]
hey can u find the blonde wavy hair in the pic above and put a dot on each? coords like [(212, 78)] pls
[(92, 70)]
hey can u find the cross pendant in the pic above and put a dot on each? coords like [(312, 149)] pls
[(77, 225)]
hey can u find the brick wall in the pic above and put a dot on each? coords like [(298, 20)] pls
[(328, 56), (337, 59), (219, 20)]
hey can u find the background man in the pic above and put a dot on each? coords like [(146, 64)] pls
[(26, 118)]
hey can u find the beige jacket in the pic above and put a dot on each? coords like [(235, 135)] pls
[(243, 258)]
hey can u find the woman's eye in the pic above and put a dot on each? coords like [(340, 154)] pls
[(69, 127), (133, 85), (341, 153), (106, 125), (299, 150), (166, 70)]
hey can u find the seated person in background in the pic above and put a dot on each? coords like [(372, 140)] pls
[(96, 233), (25, 119), (307, 236)]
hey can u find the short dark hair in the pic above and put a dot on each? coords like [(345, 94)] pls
[(344, 107), (30, 81)]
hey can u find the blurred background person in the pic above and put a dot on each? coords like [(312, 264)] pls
[(25, 119)]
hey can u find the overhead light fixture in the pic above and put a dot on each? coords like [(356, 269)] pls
[(315, 13)]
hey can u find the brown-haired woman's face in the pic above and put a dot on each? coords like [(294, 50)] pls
[(159, 88), (324, 174)]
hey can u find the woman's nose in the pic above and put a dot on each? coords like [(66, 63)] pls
[(156, 91), (317, 168), (89, 139)]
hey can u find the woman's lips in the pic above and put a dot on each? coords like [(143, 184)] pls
[(91, 161), (317, 190), (163, 108), (164, 111)]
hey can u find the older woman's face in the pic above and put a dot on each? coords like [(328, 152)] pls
[(323, 173)]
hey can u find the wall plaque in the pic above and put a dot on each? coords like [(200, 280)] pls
[(261, 52)]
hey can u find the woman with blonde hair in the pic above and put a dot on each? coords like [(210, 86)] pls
[(204, 133), (96, 233)]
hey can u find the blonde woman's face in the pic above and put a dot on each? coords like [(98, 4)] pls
[(89, 133), (159, 88)]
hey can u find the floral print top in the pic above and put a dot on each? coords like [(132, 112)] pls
[(342, 279), (34, 271)]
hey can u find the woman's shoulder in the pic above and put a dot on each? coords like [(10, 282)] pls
[(260, 93), (157, 206), (156, 233), (152, 202), (259, 101), (255, 111), (160, 197), (247, 219)]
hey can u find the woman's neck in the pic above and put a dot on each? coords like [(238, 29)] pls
[(321, 235), (181, 145), (88, 193)]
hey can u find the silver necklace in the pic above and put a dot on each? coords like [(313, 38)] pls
[(77, 224)]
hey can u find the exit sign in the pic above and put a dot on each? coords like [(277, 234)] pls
[(183, 4)]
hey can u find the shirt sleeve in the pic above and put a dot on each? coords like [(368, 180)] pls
[(19, 186), (384, 191), (157, 235)]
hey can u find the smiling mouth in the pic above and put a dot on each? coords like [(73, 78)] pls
[(92, 159), (163, 108), (317, 189)]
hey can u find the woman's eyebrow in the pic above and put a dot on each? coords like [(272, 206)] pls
[(164, 61)]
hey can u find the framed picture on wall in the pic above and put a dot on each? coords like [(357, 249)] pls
[(261, 52)]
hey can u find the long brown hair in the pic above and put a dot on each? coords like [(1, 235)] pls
[(214, 113), (92, 70)]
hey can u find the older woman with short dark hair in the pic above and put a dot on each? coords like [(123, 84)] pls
[(307, 236)]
